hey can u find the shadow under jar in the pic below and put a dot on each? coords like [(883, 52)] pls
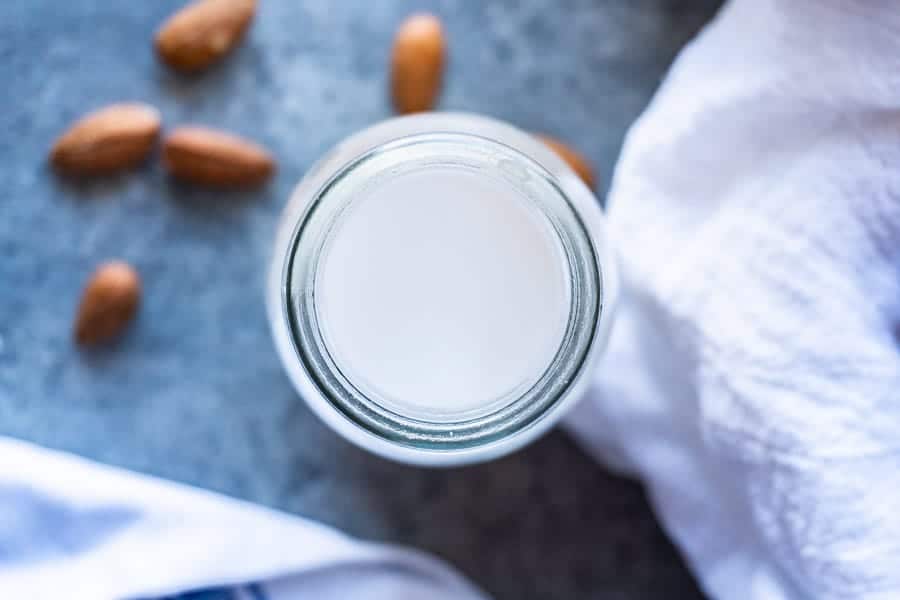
[(441, 288)]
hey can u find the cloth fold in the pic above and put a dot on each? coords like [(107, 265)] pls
[(70, 528)]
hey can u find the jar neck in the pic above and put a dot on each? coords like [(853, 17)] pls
[(540, 191)]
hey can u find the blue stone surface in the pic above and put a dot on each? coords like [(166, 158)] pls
[(194, 391)]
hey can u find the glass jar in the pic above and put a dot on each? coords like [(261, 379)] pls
[(514, 379)]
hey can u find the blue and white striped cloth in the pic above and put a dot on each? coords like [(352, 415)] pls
[(73, 529)]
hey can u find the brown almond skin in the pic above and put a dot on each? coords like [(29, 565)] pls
[(215, 158), (417, 63), (108, 303), (116, 137), (575, 160), (203, 32)]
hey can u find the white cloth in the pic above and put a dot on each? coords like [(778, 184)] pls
[(753, 378), (74, 529)]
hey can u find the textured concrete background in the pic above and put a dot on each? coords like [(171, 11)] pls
[(194, 391)]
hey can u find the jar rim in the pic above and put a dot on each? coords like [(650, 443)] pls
[(311, 349)]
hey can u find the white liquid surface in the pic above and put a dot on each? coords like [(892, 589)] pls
[(442, 292)]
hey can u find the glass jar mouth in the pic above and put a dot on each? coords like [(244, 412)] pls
[(359, 403)]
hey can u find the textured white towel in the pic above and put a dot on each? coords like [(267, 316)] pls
[(753, 379)]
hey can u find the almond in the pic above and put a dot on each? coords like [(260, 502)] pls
[(203, 32), (106, 140), (417, 63), (108, 303), (212, 157), (576, 161)]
